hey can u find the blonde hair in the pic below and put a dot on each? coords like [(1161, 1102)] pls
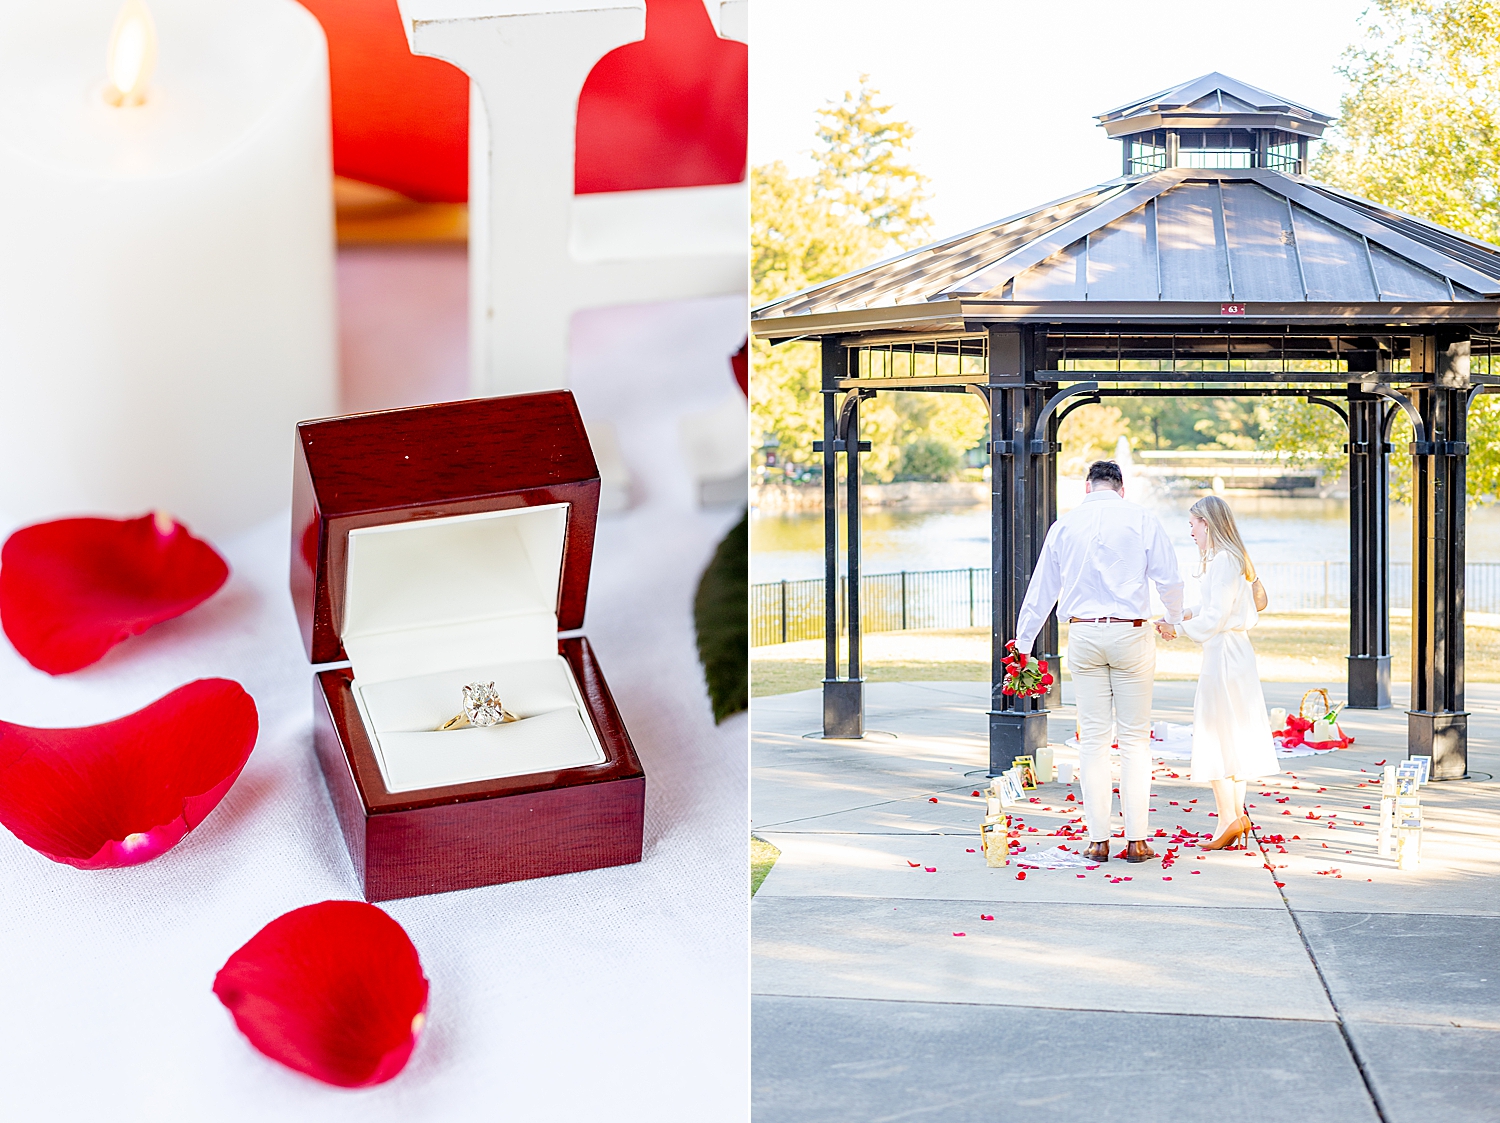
[(1223, 534)]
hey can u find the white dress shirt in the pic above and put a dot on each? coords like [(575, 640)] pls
[(1095, 563)]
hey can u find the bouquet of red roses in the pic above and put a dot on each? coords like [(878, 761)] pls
[(1023, 677)]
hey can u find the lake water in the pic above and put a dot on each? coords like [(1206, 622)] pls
[(1275, 529)]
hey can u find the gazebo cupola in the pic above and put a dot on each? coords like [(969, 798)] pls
[(1213, 122)]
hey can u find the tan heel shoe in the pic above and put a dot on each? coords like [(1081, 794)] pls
[(1231, 833)]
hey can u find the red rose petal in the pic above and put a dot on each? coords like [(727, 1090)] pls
[(932, 799), (960, 933), (739, 363), (914, 865), (982, 916), (126, 791), (930, 869), (72, 589), (334, 990), (1021, 876)]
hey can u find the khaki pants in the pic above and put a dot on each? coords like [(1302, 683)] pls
[(1114, 668)]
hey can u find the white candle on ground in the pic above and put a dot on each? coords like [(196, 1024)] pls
[(166, 291)]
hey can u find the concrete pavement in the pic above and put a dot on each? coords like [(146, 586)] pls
[(884, 990)]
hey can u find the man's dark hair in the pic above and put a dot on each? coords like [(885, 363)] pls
[(1106, 472)]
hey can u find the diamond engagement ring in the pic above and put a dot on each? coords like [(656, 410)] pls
[(482, 707)]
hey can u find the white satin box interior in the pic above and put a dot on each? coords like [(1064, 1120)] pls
[(438, 603)]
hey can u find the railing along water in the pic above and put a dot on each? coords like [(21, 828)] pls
[(788, 611)]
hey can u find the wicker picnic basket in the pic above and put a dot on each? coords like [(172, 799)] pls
[(1321, 706)]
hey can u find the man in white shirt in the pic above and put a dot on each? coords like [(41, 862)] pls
[(1095, 565)]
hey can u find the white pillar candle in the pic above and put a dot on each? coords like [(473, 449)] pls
[(1045, 764), (166, 287)]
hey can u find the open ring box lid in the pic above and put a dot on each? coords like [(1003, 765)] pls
[(433, 547)]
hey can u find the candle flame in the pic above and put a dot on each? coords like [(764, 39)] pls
[(132, 54)]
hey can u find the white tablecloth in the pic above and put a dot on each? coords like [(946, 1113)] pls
[(616, 994)]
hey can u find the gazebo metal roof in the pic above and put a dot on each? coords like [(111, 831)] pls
[(1177, 244)]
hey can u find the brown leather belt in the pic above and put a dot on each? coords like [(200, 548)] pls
[(1105, 620)]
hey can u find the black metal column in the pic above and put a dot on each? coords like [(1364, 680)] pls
[(1018, 726), (843, 698), (1369, 554), (1437, 723), (849, 436), (1051, 633)]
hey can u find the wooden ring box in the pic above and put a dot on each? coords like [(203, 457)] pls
[(440, 545)]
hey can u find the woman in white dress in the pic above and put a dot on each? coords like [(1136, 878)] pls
[(1231, 732)]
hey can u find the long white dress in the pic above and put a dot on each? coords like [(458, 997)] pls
[(1231, 731)]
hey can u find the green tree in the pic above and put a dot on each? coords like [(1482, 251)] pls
[(799, 237), (1089, 434), (1419, 127), (862, 200), (862, 170), (931, 433), (929, 458), (1419, 130), (1295, 427)]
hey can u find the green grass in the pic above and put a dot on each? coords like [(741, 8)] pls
[(785, 676), (1290, 647), (762, 857)]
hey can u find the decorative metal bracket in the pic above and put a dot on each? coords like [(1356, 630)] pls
[(846, 411), (1418, 426), (1090, 400), (1338, 409), (1039, 430)]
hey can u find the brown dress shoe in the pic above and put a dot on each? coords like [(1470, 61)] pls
[(1139, 851), (1097, 851)]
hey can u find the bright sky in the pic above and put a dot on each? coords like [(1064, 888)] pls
[(1003, 92)]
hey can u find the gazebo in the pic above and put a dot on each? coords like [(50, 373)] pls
[(1213, 267)]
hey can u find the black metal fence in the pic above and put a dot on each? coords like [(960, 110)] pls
[(788, 611)]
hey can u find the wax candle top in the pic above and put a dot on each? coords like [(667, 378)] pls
[(132, 55), (223, 70)]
